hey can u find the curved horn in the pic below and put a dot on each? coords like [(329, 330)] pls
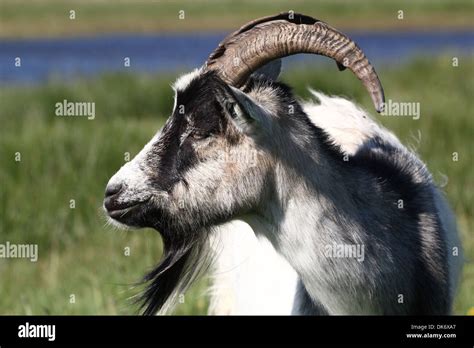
[(268, 38)]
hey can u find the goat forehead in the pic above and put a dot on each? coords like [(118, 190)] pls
[(199, 109), (201, 115), (183, 81)]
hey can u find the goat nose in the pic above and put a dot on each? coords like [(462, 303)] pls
[(113, 189)]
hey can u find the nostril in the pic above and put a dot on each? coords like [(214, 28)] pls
[(113, 189)]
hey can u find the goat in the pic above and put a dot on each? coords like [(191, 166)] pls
[(301, 208)]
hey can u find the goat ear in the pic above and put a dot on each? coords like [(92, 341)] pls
[(247, 109), (270, 70), (242, 110)]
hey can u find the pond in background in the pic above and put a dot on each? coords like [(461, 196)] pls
[(65, 58)]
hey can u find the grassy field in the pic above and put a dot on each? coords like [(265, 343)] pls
[(73, 158), (26, 18)]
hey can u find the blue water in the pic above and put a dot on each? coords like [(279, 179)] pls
[(66, 58)]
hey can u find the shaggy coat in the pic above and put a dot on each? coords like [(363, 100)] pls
[(261, 185)]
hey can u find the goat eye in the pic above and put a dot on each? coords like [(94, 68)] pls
[(231, 110), (198, 135)]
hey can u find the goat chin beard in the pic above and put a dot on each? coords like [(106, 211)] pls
[(185, 256)]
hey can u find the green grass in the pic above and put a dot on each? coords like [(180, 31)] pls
[(73, 158), (25, 18)]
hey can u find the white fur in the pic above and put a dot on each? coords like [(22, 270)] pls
[(249, 277), (183, 81), (347, 124)]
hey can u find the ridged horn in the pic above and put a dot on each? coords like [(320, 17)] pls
[(269, 38)]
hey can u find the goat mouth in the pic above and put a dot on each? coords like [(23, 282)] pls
[(121, 212), (124, 212)]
